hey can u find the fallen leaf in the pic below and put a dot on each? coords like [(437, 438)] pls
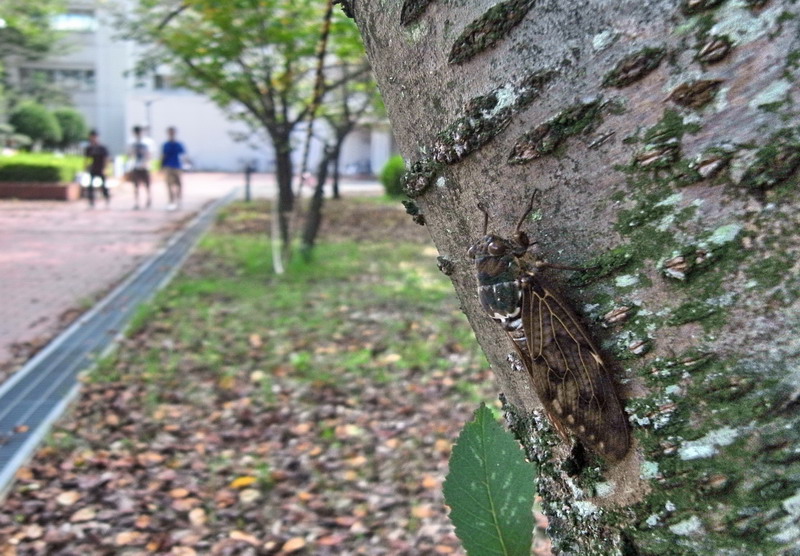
[(34, 531), (197, 517), (294, 544), (241, 482), (227, 382), (422, 511), (68, 497), (330, 540), (256, 341), (148, 459), (390, 358), (128, 538), (249, 495), (302, 429), (184, 504), (356, 461), (242, 536), (179, 493), (84, 514), (24, 474), (442, 446)]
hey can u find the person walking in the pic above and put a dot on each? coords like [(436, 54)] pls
[(97, 157), (172, 155), (139, 161)]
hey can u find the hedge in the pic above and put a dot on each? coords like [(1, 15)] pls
[(392, 175), (39, 167)]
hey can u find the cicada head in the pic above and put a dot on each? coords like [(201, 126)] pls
[(499, 269), (495, 256)]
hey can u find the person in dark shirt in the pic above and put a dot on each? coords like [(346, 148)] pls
[(172, 154), (96, 162)]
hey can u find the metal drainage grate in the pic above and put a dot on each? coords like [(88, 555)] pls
[(38, 393)]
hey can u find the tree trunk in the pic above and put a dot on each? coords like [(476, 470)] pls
[(335, 172), (664, 139), (283, 175), (314, 217)]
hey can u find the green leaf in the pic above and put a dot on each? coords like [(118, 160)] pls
[(490, 489)]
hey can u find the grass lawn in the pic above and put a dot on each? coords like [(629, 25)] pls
[(252, 414)]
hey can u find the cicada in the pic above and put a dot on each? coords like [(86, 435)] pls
[(569, 374)]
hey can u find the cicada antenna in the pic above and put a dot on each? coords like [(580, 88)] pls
[(482, 208), (528, 210)]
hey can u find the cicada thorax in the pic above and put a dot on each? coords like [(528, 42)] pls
[(568, 373)]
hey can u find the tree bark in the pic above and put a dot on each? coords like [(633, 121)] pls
[(283, 175), (664, 139), (335, 173), (314, 216)]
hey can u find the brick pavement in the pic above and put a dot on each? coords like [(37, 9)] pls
[(58, 258)]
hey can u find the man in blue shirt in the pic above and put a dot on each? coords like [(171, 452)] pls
[(172, 154)]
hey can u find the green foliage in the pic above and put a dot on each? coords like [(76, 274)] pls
[(38, 123), (11, 139), (73, 126), (490, 489), (27, 31), (257, 55), (39, 167), (392, 176)]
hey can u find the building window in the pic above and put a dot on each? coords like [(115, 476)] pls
[(164, 83), (77, 21), (71, 80)]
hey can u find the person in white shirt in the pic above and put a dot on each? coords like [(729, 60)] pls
[(139, 154)]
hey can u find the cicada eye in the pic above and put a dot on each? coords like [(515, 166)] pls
[(496, 248)]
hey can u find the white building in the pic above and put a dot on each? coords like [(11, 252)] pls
[(94, 67)]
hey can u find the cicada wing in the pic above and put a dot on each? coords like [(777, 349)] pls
[(573, 382)]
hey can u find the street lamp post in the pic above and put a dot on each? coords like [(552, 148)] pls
[(148, 102)]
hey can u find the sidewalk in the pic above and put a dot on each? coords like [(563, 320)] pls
[(57, 258)]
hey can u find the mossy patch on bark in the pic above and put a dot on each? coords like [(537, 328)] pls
[(489, 29)]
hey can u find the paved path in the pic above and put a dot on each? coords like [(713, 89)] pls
[(57, 258)]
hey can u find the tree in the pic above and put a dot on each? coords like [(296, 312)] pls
[(352, 103), (26, 31), (344, 108), (253, 55), (36, 122), (663, 138), (73, 126)]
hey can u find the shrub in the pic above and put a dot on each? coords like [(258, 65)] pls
[(392, 176), (32, 167), (38, 123), (73, 126)]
